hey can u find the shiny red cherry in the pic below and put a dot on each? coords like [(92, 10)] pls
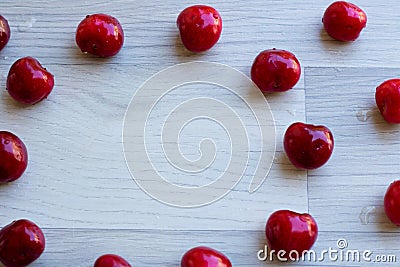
[(111, 260), (100, 35), (308, 146), (200, 27), (290, 232), (28, 82), (344, 21), (5, 32), (275, 70), (387, 97), (204, 257), (13, 157), (392, 202), (21, 243)]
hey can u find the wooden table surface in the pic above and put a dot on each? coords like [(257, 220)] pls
[(79, 190)]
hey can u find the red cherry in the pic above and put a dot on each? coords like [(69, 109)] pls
[(387, 97), (392, 202), (275, 70), (308, 146), (13, 157), (204, 257), (5, 32), (344, 21), (100, 35), (290, 231), (21, 243), (28, 82), (111, 260), (200, 27)]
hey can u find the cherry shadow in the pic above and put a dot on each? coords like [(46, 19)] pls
[(380, 124), (13, 105), (331, 44), (384, 225), (79, 57), (184, 55), (5, 185)]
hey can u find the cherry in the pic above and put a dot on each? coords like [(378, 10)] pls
[(5, 32), (100, 35), (28, 82), (392, 202), (204, 257), (290, 232), (387, 97), (275, 70), (308, 146), (21, 243), (344, 21), (200, 27), (13, 157), (111, 260)]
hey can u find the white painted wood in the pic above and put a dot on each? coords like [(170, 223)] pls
[(366, 157), (78, 187), (77, 176), (249, 27), (165, 248)]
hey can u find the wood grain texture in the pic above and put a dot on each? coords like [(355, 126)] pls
[(165, 248), (77, 185), (366, 154), (77, 176)]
